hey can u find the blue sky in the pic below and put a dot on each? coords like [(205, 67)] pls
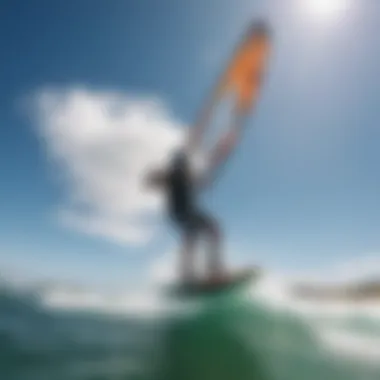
[(301, 192)]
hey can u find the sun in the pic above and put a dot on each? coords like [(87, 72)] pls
[(325, 8)]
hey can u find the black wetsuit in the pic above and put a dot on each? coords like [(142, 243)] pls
[(182, 190), (182, 198)]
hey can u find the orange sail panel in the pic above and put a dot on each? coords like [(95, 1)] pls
[(240, 81), (244, 74)]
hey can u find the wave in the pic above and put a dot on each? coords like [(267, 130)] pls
[(345, 329)]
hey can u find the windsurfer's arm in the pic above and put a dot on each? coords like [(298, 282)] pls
[(155, 179)]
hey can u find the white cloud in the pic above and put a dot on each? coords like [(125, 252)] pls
[(162, 269), (103, 143)]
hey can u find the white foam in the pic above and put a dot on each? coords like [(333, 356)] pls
[(325, 319), (350, 344), (144, 304), (275, 292)]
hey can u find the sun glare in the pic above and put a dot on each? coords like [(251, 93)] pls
[(325, 8)]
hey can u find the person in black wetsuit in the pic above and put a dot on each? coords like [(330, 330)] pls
[(181, 186)]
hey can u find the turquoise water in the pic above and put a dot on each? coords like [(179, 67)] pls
[(235, 337)]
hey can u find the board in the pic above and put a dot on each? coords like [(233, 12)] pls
[(233, 281)]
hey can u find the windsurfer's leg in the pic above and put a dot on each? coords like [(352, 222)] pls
[(214, 257), (187, 252)]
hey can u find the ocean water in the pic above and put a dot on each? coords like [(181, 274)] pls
[(258, 333)]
